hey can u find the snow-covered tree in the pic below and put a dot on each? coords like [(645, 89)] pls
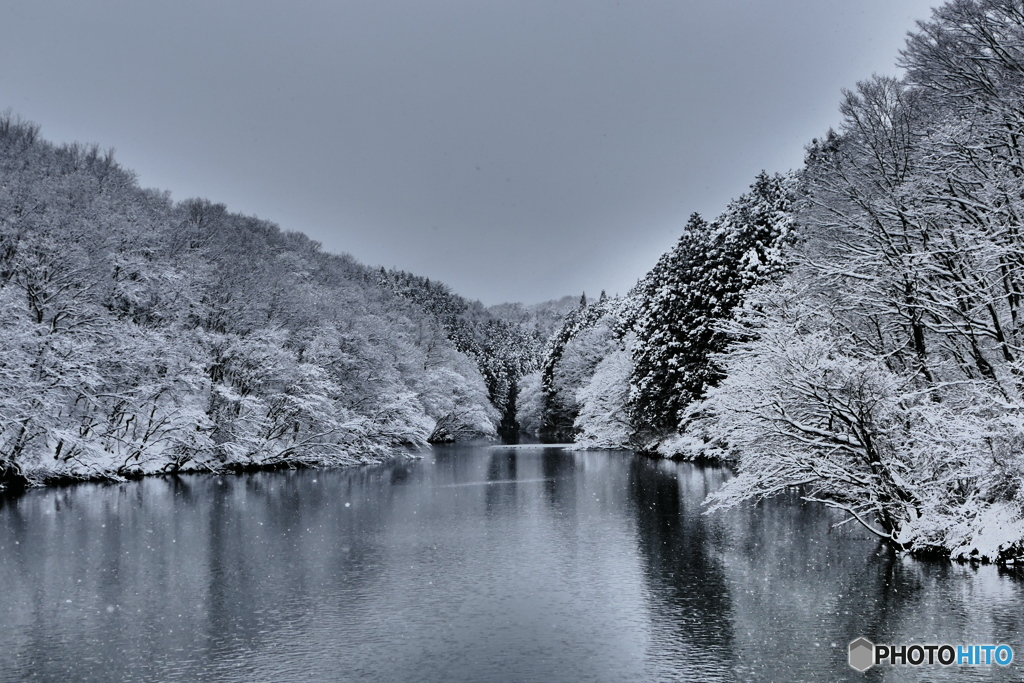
[(587, 334), (885, 374), (138, 335), (692, 289), (530, 404), (603, 420)]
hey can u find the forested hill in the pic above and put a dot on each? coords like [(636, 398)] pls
[(143, 335), (854, 329), (505, 341)]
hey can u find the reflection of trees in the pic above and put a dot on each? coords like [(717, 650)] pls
[(230, 571), (451, 464), (689, 597), (198, 571), (802, 590), (283, 546), (774, 592), (502, 467), (225, 576), (792, 576), (559, 469)]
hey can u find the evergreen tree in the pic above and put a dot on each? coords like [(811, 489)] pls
[(694, 288)]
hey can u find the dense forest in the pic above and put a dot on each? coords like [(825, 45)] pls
[(853, 328), (141, 335)]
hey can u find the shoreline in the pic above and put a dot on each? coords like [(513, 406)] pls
[(12, 487)]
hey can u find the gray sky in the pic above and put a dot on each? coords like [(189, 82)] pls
[(517, 150)]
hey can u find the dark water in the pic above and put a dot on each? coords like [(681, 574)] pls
[(483, 564)]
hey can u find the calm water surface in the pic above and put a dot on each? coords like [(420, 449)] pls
[(473, 564)]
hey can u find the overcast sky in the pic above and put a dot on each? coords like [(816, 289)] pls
[(518, 150)]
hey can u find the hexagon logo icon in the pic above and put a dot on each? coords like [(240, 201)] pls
[(862, 654)]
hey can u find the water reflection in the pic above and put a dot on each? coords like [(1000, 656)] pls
[(688, 595), (775, 592), (500, 564)]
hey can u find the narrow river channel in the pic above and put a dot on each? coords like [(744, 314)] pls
[(471, 564)]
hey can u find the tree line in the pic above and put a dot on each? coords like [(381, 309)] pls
[(854, 328), (142, 335)]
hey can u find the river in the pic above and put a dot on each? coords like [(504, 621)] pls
[(470, 564)]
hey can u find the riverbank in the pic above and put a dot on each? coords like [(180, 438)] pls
[(13, 481), (992, 535)]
